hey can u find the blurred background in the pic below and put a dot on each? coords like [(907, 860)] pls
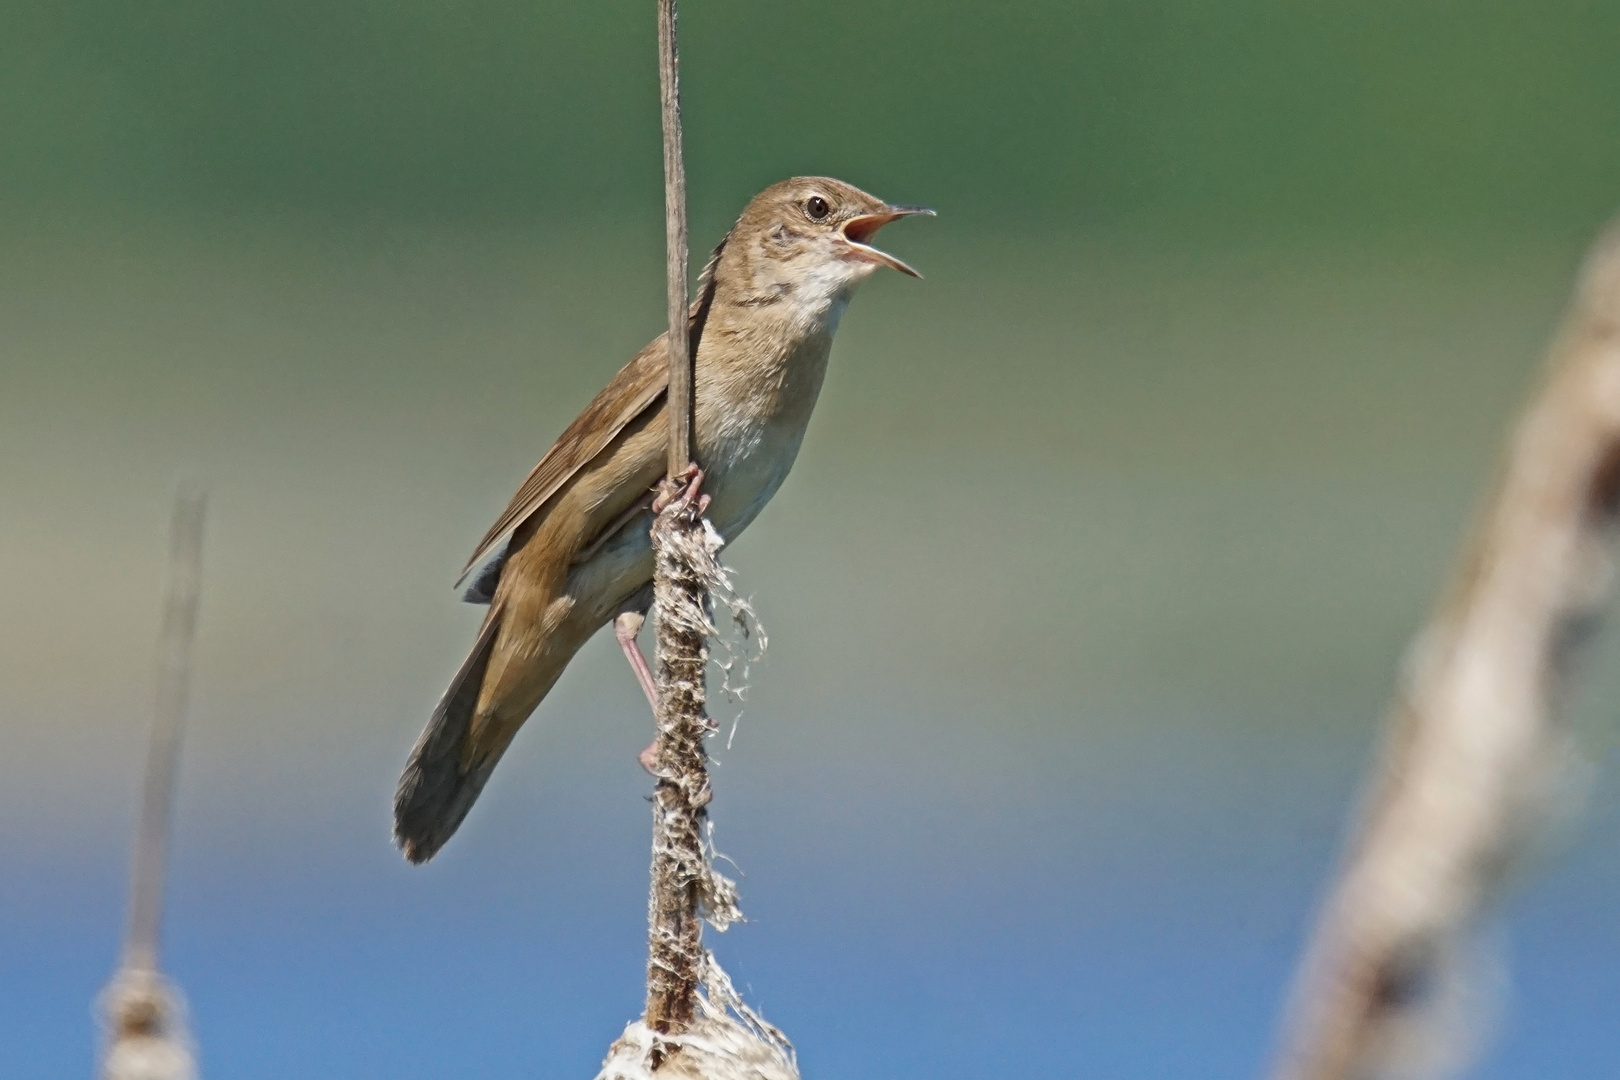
[(1084, 598)]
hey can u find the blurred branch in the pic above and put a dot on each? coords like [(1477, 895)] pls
[(146, 1027), (1475, 746), (174, 681)]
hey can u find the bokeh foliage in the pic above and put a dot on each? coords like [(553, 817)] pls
[(1380, 113)]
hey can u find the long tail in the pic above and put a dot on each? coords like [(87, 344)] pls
[(434, 793)]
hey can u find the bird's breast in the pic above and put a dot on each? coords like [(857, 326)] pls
[(752, 413)]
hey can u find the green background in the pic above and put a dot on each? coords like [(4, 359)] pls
[(1243, 115), (1085, 595)]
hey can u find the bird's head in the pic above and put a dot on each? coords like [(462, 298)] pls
[(809, 239)]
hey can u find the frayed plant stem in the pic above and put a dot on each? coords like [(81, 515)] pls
[(686, 889), (685, 1032), (726, 1040), (675, 931), (675, 943)]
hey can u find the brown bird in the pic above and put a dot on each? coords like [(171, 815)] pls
[(572, 551)]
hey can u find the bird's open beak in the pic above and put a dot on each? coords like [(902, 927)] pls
[(858, 230)]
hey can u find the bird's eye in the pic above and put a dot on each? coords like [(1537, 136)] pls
[(816, 207)]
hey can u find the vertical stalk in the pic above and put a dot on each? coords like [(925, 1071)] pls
[(675, 939), (174, 678), (1476, 737), (675, 934), (680, 358)]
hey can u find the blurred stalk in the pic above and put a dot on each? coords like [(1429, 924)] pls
[(147, 1037), (1475, 748), (163, 755)]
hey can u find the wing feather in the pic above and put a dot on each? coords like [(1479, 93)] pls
[(638, 386)]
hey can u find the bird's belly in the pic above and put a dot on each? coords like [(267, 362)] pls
[(743, 468)]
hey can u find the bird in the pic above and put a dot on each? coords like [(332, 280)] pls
[(572, 552)]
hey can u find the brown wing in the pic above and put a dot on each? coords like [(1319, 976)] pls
[(636, 388)]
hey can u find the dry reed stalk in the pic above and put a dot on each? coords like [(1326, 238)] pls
[(680, 595), (146, 1028), (1475, 747), (679, 865), (695, 1026)]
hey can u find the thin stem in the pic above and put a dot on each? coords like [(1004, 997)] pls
[(174, 678), (675, 931), (680, 359)]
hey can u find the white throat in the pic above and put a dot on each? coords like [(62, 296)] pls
[(823, 294)]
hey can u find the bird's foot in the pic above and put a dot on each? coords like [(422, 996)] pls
[(683, 488), (649, 761)]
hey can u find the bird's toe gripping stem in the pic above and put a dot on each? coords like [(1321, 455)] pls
[(683, 488)]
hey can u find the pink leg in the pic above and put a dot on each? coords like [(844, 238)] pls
[(625, 629), (629, 623)]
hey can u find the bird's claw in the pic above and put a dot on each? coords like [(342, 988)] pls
[(684, 489), (649, 761)]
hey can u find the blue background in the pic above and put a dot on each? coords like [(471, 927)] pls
[(1085, 597)]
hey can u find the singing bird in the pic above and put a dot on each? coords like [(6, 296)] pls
[(573, 550)]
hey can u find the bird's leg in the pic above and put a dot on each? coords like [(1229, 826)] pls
[(629, 623), (625, 629)]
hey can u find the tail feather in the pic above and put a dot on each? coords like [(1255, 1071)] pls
[(434, 792)]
